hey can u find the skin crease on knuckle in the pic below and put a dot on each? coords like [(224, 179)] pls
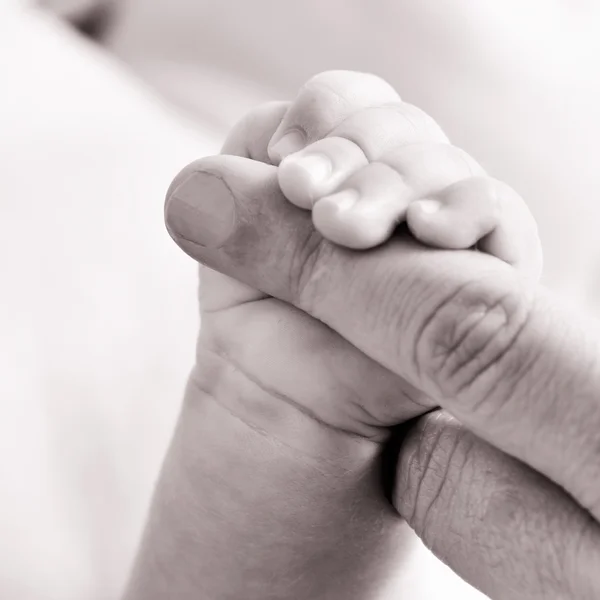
[(431, 465), (458, 493), (470, 339), (310, 264), (462, 356), (438, 455), (328, 94)]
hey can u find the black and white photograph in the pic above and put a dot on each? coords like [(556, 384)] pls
[(299, 299)]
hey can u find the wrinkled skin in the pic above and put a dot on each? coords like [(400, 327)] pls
[(462, 328)]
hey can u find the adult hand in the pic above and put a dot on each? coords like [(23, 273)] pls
[(271, 485), (512, 502)]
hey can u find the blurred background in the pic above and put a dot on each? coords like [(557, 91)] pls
[(102, 102)]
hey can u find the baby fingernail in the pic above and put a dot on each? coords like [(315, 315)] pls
[(292, 141), (429, 207), (343, 200), (317, 167), (201, 210)]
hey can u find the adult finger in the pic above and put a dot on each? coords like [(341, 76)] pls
[(458, 325), (501, 526), (294, 334)]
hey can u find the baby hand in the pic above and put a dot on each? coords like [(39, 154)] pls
[(366, 161)]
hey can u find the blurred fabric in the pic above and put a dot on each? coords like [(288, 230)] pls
[(97, 305), (98, 308)]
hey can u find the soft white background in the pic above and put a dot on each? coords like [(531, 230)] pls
[(97, 309), (97, 305)]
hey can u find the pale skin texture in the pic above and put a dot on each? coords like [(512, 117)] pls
[(367, 165), (277, 451)]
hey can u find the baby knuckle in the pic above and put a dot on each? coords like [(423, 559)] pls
[(423, 122), (378, 129), (336, 78), (474, 169), (470, 340), (329, 78), (351, 88), (486, 186), (325, 88)]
